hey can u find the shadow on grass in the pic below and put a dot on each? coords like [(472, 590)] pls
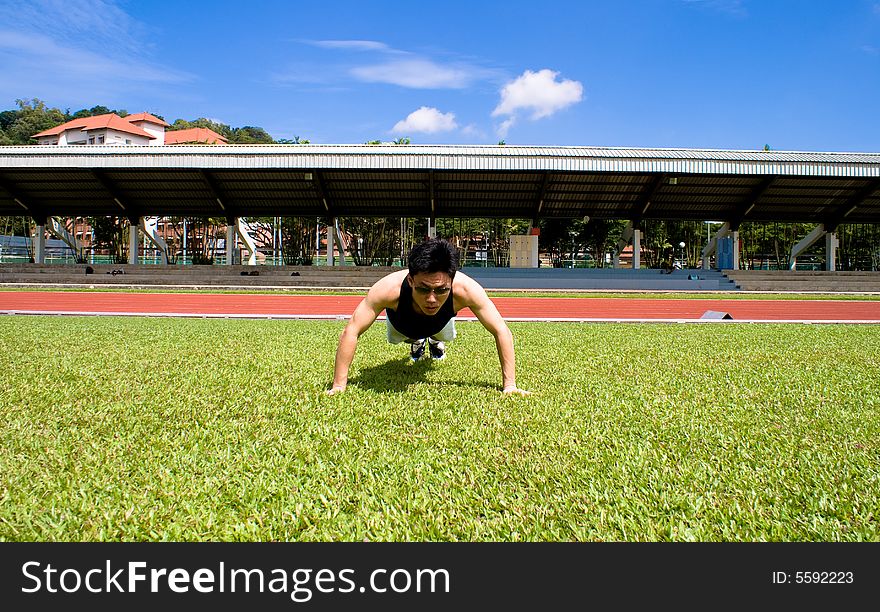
[(397, 375)]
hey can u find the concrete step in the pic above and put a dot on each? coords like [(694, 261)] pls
[(200, 271), (146, 280), (244, 276), (806, 280), (817, 288), (356, 276)]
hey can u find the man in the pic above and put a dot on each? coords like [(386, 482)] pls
[(420, 304)]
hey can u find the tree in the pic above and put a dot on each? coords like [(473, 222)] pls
[(372, 239), (33, 116), (554, 234), (295, 140), (243, 135), (250, 135), (403, 140), (203, 234), (598, 235), (95, 111), (221, 128), (7, 118), (109, 233), (297, 235)]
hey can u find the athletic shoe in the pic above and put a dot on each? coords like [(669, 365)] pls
[(437, 350), (417, 350)]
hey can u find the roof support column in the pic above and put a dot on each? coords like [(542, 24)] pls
[(831, 244), (133, 258), (808, 241), (333, 232), (637, 249), (230, 241), (432, 220), (339, 241), (39, 240)]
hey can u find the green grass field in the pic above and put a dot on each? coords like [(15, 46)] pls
[(198, 429)]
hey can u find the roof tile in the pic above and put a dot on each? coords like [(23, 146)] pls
[(110, 121)]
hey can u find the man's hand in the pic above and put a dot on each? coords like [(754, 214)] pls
[(335, 389), (514, 390)]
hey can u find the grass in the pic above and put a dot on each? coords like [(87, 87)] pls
[(191, 429)]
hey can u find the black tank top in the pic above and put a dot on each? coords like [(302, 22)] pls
[(414, 325)]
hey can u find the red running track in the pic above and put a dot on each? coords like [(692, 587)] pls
[(512, 308)]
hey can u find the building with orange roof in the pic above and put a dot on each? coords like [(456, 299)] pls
[(140, 129), (137, 129), (194, 136)]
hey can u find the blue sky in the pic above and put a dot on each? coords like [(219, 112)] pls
[(729, 74)]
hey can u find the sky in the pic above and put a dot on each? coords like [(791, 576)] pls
[(796, 75)]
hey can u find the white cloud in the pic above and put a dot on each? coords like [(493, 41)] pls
[(395, 67), (427, 120), (418, 74), (66, 62), (352, 45), (539, 93), (473, 131), (75, 50), (505, 126), (83, 24)]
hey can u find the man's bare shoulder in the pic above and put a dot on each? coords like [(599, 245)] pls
[(386, 290), (467, 291)]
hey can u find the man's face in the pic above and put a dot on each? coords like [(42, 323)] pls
[(430, 291)]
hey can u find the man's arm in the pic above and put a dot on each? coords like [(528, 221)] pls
[(486, 312), (360, 321)]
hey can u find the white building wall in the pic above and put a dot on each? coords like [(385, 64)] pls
[(74, 137), (124, 138), (151, 128), (111, 137)]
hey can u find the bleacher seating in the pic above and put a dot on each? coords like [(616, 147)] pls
[(361, 277), (598, 279), (358, 277), (216, 276), (805, 281)]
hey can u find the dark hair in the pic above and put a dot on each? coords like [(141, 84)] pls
[(433, 255)]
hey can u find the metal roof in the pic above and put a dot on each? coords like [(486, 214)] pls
[(443, 181)]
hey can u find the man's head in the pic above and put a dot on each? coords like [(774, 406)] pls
[(433, 255), (432, 266)]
